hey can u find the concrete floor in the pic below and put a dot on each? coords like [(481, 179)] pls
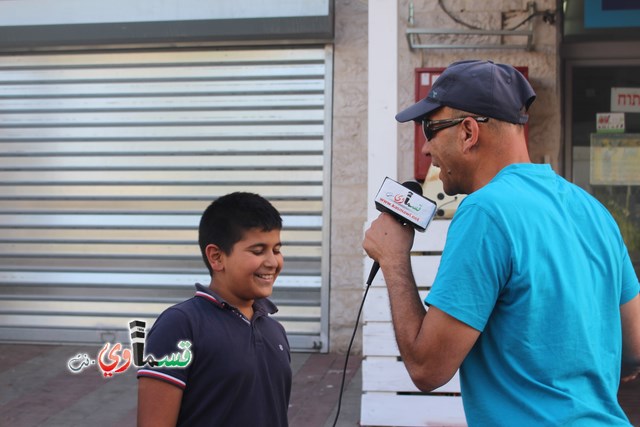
[(37, 389)]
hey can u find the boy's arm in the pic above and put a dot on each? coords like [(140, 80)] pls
[(630, 313), (158, 403)]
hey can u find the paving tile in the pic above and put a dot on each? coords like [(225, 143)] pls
[(39, 390)]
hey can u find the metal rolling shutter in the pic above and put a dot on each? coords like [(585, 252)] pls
[(107, 160)]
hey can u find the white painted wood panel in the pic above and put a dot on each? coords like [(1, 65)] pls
[(434, 238), (389, 396), (424, 269), (395, 378), (389, 409), (377, 305), (379, 340)]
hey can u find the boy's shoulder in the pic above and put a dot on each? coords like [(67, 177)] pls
[(183, 308), (186, 307), (184, 314), (176, 317)]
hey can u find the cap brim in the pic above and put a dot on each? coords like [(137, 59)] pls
[(417, 110)]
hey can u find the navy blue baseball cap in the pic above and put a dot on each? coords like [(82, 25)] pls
[(479, 87)]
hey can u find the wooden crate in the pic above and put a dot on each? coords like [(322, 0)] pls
[(389, 397)]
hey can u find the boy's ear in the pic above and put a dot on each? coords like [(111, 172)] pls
[(214, 256)]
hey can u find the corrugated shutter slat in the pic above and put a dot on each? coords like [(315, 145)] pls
[(107, 160)]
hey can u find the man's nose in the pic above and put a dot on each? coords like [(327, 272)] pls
[(426, 148)]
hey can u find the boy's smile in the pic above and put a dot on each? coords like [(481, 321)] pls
[(249, 271)]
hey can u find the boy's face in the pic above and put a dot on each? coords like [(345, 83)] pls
[(249, 271)]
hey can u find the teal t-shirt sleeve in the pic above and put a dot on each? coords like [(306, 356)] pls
[(630, 286), (475, 265)]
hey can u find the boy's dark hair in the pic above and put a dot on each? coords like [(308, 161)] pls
[(225, 221)]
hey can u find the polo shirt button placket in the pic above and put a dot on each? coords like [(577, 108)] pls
[(255, 331)]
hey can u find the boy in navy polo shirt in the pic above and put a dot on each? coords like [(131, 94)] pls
[(239, 371)]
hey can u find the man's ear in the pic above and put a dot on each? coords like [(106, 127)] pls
[(215, 257), (471, 131)]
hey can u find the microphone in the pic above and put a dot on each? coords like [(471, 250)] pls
[(407, 205)]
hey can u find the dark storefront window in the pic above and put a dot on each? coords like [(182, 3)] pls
[(601, 55), (606, 162)]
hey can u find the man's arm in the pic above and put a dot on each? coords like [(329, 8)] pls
[(432, 344), (158, 403), (630, 315)]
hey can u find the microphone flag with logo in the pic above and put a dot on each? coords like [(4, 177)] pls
[(407, 205)]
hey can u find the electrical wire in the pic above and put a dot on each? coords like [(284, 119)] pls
[(455, 18), (547, 16)]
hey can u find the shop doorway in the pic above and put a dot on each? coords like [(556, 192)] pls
[(602, 130)]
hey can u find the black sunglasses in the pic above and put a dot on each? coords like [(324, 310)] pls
[(430, 127)]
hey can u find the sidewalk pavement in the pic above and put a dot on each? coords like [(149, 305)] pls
[(37, 389)]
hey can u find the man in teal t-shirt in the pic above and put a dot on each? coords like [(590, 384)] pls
[(535, 300), (549, 316)]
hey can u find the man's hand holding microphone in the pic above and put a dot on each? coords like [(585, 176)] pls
[(390, 237)]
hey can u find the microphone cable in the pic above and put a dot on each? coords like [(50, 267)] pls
[(414, 187), (355, 329)]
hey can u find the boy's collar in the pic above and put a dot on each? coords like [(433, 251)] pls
[(263, 305)]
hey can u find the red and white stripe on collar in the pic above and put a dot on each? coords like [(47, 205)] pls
[(209, 297), (215, 301)]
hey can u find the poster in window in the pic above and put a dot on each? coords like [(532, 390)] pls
[(615, 159)]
